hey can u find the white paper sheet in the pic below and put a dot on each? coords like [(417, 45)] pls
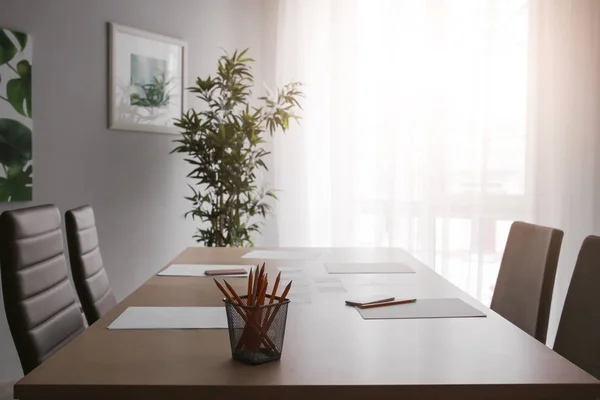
[(291, 272), (302, 298), (281, 255), (368, 268), (291, 269), (330, 287), (171, 318), (293, 277), (199, 269), (296, 282), (326, 279), (299, 289)]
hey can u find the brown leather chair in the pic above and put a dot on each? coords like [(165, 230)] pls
[(523, 292), (578, 335), (91, 281), (40, 304)]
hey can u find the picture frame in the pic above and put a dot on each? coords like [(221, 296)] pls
[(16, 116), (147, 80)]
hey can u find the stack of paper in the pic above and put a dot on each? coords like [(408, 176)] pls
[(423, 308)]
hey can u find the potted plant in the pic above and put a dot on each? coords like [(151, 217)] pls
[(224, 145)]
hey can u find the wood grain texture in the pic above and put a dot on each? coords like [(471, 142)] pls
[(6, 391), (329, 350)]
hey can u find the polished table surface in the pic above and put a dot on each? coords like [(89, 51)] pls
[(329, 350)]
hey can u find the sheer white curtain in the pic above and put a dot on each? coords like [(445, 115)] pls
[(413, 131), (564, 126)]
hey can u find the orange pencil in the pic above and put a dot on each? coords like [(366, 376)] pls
[(389, 303), (274, 293), (263, 293), (273, 314), (285, 292), (249, 294), (262, 274), (222, 289), (233, 292), (256, 283)]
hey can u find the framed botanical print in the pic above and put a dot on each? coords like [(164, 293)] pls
[(146, 80), (16, 116)]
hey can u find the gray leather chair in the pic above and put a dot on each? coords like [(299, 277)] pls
[(91, 281), (523, 292), (578, 335), (40, 304)]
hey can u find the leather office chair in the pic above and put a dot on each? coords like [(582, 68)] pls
[(578, 335), (91, 281), (40, 304), (523, 292)]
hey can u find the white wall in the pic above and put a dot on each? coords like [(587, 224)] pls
[(134, 185)]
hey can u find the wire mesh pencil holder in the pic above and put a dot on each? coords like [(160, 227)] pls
[(256, 332)]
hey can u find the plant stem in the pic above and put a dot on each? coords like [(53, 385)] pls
[(4, 98), (11, 67), (220, 234)]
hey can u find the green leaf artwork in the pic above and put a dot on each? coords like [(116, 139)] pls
[(15, 143), (18, 90), (155, 94), (8, 49), (22, 38), (150, 81), (16, 172), (17, 184)]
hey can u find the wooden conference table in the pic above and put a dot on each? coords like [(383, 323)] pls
[(329, 351)]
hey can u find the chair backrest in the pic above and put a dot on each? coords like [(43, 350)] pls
[(523, 292), (91, 281), (40, 305), (578, 335)]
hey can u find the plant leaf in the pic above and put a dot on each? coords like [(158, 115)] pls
[(18, 90), (7, 48), (22, 38), (22, 193), (17, 185), (15, 143)]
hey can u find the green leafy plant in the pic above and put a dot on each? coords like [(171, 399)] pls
[(156, 93), (224, 145), (15, 137)]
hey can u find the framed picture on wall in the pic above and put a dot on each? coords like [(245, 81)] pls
[(16, 116), (146, 80)]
